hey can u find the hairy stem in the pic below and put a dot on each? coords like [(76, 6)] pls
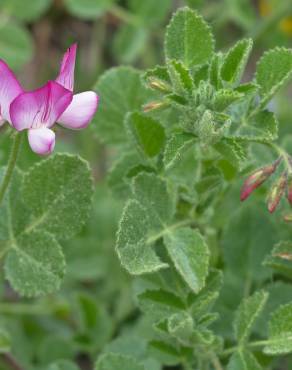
[(11, 165)]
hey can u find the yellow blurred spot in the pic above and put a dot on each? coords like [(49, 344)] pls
[(286, 25), (266, 8)]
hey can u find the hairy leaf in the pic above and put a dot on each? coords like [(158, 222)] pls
[(243, 360), (190, 255), (58, 191), (274, 69), (148, 133), (35, 264), (280, 331), (113, 361), (188, 38), (235, 61), (122, 91), (175, 147), (247, 313)]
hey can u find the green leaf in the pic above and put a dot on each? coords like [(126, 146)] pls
[(224, 98), (31, 11), (88, 9), (232, 150), (63, 365), (164, 352), (243, 360), (202, 302), (181, 326), (153, 195), (58, 191), (145, 220), (122, 92), (175, 147), (214, 71), (111, 361), (247, 313), (133, 247), (148, 134), (160, 304), (190, 255), (12, 221), (235, 61), (182, 43), (16, 46), (261, 128), (148, 13), (5, 341), (35, 264), (280, 258), (180, 77), (280, 331), (274, 69)]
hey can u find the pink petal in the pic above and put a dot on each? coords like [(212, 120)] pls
[(66, 75), (41, 140), (9, 89), (81, 111), (41, 107)]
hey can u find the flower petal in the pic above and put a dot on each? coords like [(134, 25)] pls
[(81, 111), (41, 140), (41, 107), (66, 75), (9, 89)]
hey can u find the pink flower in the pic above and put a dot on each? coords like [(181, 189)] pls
[(37, 111)]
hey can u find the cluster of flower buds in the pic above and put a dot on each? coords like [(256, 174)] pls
[(277, 190)]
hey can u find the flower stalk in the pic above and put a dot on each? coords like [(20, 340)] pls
[(11, 164)]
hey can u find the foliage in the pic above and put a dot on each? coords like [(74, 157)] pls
[(141, 256)]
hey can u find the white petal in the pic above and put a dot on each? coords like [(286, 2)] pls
[(80, 111), (41, 140)]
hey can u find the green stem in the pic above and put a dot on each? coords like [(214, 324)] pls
[(258, 343), (283, 154), (216, 362), (11, 165), (8, 308)]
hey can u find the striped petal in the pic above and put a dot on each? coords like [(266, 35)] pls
[(41, 107)]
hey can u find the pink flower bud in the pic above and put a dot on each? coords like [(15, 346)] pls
[(257, 178), (276, 192)]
